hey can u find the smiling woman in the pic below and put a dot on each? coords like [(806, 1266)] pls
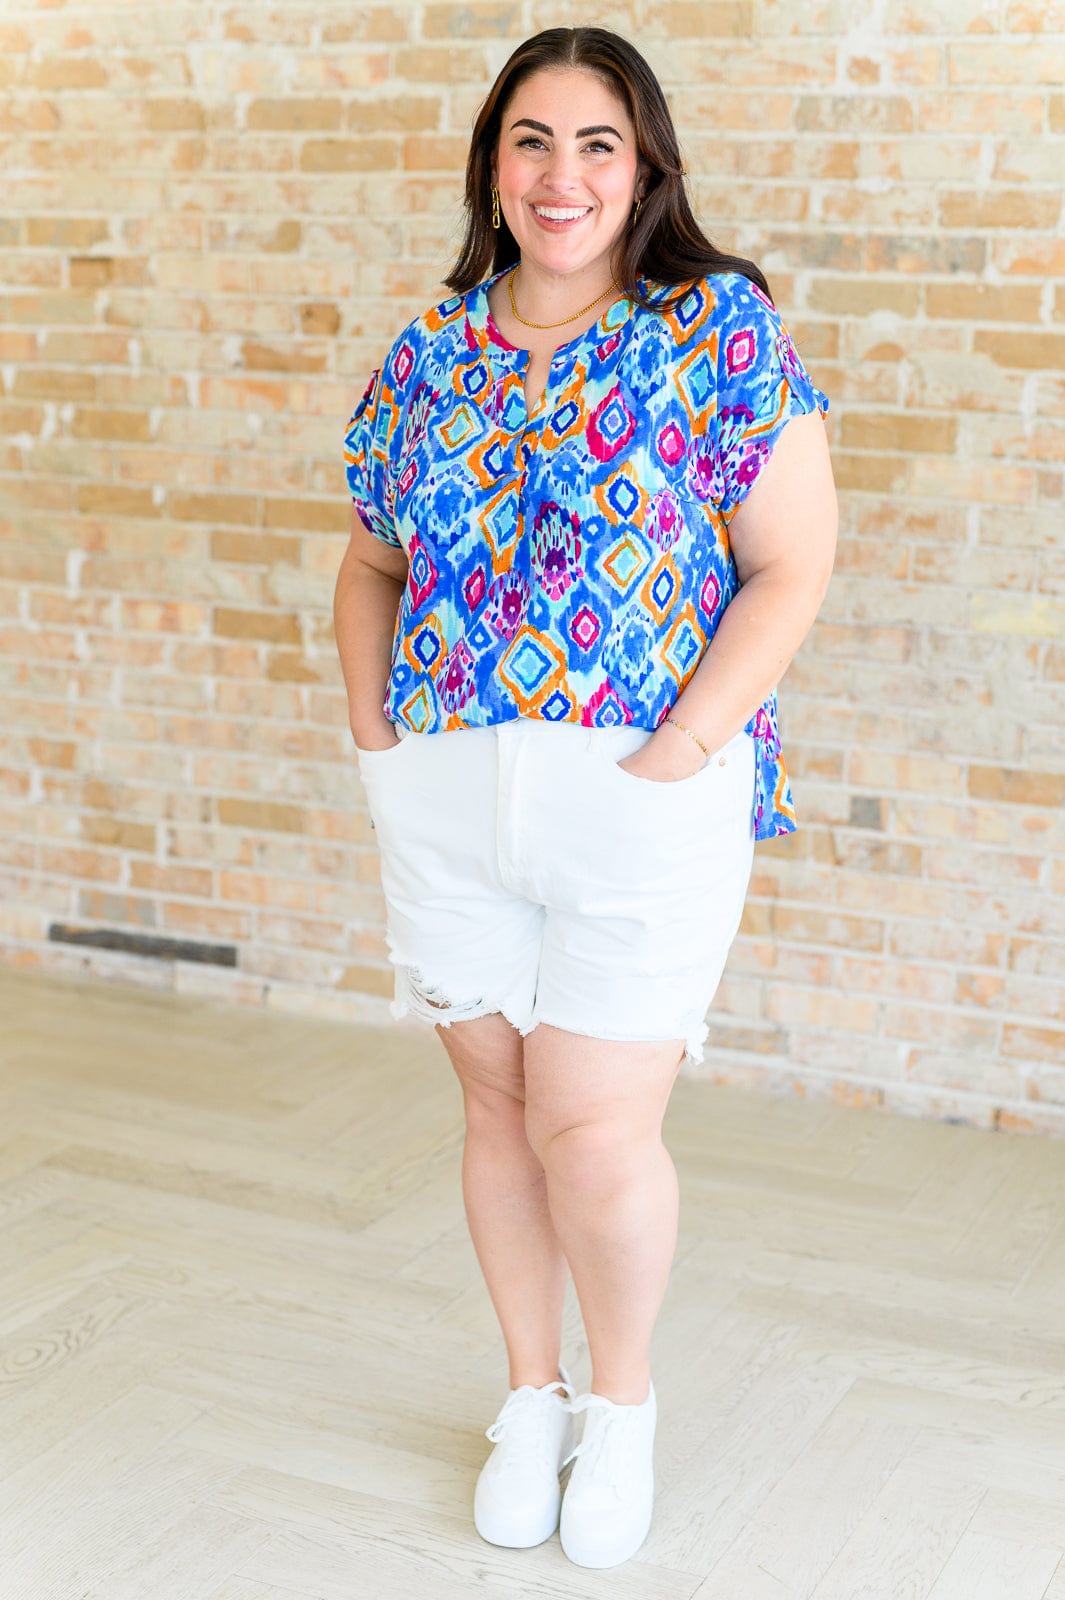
[(593, 520)]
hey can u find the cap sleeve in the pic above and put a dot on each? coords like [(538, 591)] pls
[(762, 384), (366, 459)]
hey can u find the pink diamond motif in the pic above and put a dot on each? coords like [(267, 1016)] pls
[(585, 628)]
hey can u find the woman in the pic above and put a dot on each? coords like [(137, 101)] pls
[(561, 618)]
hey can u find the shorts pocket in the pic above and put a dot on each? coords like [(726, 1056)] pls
[(723, 786), (717, 771), (374, 758)]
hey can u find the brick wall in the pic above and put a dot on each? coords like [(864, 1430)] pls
[(216, 217)]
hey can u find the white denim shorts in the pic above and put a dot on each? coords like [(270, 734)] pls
[(525, 872)]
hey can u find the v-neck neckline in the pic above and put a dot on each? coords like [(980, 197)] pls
[(488, 334)]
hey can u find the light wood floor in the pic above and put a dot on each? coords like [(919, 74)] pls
[(246, 1352)]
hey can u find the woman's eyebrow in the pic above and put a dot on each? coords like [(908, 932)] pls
[(582, 133)]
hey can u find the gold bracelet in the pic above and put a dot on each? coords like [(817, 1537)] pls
[(691, 735)]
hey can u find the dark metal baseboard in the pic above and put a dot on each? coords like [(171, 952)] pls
[(145, 944)]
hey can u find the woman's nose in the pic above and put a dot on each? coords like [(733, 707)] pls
[(561, 172)]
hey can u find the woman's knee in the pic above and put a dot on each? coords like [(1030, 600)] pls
[(592, 1155)]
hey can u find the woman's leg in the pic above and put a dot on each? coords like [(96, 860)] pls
[(594, 1110), (505, 1194)]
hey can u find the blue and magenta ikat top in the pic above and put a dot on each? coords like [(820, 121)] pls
[(572, 563)]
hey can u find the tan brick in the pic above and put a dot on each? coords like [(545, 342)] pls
[(841, 296), (90, 272), (294, 116), (191, 506), (1004, 208), (1040, 351), (477, 19), (1033, 1044), (287, 666), (171, 116), (870, 473), (349, 155), (814, 1008), (901, 431), (116, 500), (62, 753), (102, 907), (168, 616), (319, 318), (807, 925), (293, 358), (438, 64), (90, 422), (195, 882), (998, 61), (66, 233), (367, 979), (394, 114), (370, 22), (264, 549), (918, 253), (276, 627), (50, 383), (310, 516), (858, 114), (1029, 256), (983, 302), (99, 828), (1018, 786), (261, 815), (434, 152), (67, 72), (54, 305)]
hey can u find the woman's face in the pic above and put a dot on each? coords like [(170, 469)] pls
[(566, 169)]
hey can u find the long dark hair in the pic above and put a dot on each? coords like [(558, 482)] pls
[(665, 243)]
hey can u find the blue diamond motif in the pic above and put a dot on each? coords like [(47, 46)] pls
[(501, 523), (689, 309), (479, 638), (614, 420), (685, 647), (663, 587), (475, 378), (623, 496), (495, 460), (530, 665), (556, 707), (700, 380), (426, 646)]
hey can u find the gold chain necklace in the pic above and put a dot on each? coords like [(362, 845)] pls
[(576, 314)]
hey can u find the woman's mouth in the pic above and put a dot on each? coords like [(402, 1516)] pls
[(557, 219)]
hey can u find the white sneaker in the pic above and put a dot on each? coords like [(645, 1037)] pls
[(606, 1510), (518, 1498)]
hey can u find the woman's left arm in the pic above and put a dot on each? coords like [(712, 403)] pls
[(783, 538)]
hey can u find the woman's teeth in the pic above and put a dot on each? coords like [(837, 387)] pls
[(560, 213)]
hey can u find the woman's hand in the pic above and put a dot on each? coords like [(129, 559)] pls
[(380, 734), (663, 758)]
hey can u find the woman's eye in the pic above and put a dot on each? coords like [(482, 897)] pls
[(530, 138), (598, 144)]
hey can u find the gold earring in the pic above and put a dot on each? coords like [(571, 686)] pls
[(495, 207), (636, 213)]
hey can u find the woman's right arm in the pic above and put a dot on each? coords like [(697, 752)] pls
[(369, 587)]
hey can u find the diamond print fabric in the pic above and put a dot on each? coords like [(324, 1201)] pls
[(572, 563)]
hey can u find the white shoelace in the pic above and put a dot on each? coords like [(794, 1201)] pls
[(606, 1439), (523, 1419)]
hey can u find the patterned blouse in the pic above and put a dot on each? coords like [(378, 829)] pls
[(571, 563)]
